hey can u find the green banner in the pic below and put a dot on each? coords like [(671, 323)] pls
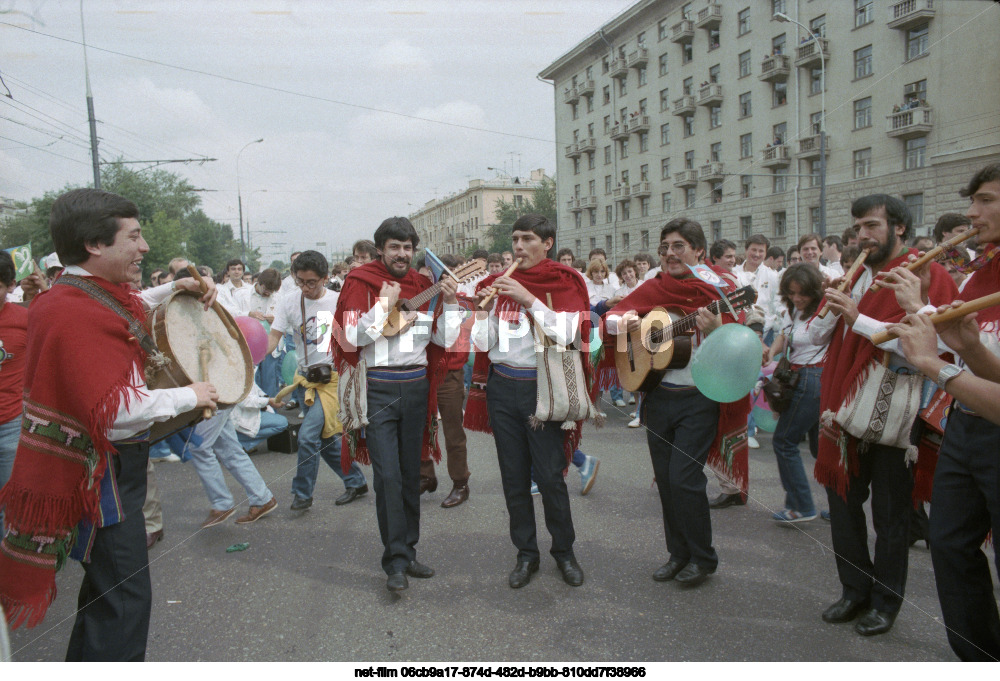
[(22, 261)]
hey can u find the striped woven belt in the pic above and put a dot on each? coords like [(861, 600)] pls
[(397, 374), (516, 373), (138, 438)]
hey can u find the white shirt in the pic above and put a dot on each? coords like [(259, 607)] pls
[(625, 289), (765, 282), (409, 348), (513, 343), (835, 267), (228, 294), (599, 292), (652, 272), (799, 344), (248, 300), (246, 414), (318, 327)]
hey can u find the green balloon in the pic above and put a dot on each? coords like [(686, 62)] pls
[(727, 363), (765, 419), (267, 327), (289, 365)]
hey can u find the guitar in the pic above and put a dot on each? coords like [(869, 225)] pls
[(403, 314), (663, 342)]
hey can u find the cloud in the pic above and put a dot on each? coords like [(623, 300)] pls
[(399, 57)]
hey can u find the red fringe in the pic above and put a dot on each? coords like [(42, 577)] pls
[(732, 429), (923, 470), (27, 611), (37, 511)]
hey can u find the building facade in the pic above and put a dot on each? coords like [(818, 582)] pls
[(459, 222), (714, 111)]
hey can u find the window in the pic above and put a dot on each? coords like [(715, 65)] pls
[(607, 124), (593, 242), (623, 86), (623, 148), (689, 197), (714, 116), (744, 63), (818, 25), (746, 186), (592, 188), (814, 219), (814, 166), (664, 99), (688, 84), (746, 226), (863, 113), (915, 92), (642, 107), (687, 52), (777, 6), (607, 154), (815, 80), (644, 239), (590, 73), (688, 160), (780, 131), (643, 141), (779, 221), (862, 163), (863, 12), (606, 94), (590, 104), (607, 184), (666, 202), (863, 62), (686, 11), (916, 42), (716, 227), (608, 243), (780, 180), (642, 76), (664, 168), (604, 65), (664, 134), (577, 220), (746, 108), (626, 242), (644, 172), (593, 217), (577, 244), (713, 74), (816, 122), (644, 206), (713, 39), (779, 94), (743, 22), (608, 215), (915, 202), (590, 161), (626, 213), (641, 39), (717, 192), (688, 125), (663, 64), (746, 145), (715, 152), (576, 166), (575, 110), (915, 151), (625, 177), (778, 44), (662, 30)]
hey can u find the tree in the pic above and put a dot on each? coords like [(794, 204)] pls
[(543, 202)]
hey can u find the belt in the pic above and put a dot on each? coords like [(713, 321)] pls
[(516, 373), (397, 374), (796, 367), (136, 439)]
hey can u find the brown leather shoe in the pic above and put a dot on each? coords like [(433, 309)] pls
[(459, 494), (152, 538), (428, 484), (257, 512), (217, 517)]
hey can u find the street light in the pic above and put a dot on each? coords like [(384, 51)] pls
[(239, 198), (822, 119)]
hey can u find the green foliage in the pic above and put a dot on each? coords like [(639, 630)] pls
[(278, 265), (544, 202), (31, 227)]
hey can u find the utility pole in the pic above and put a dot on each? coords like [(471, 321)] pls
[(90, 107)]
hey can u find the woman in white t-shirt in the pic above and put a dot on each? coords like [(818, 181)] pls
[(598, 286), (800, 291)]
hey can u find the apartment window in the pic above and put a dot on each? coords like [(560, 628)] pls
[(863, 62), (688, 160), (687, 52), (644, 239), (862, 163), (746, 186), (780, 180), (717, 192), (606, 94), (745, 63), (777, 6), (713, 39), (644, 172), (590, 104), (607, 124), (577, 220), (915, 202), (644, 206), (746, 226), (779, 94), (662, 30), (716, 228), (607, 154), (626, 242), (623, 114), (643, 141), (686, 11), (714, 116), (814, 176), (608, 216), (623, 86), (593, 242), (664, 168), (626, 213), (863, 12), (608, 243), (576, 166), (743, 22), (780, 131), (916, 41), (915, 92), (815, 80), (575, 110), (688, 125), (778, 44), (818, 26), (590, 72), (713, 74), (590, 161), (592, 188), (642, 76), (625, 177), (607, 184), (666, 202), (593, 217), (688, 85), (623, 148), (779, 222), (664, 99), (746, 108), (814, 219), (915, 152), (746, 145), (604, 65), (664, 134), (577, 246), (816, 122), (863, 113), (590, 129), (689, 197), (715, 152), (663, 64), (640, 39)]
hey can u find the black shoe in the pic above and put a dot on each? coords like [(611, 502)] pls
[(419, 570), (521, 574), (300, 504), (351, 494), (724, 500), (844, 610), (693, 574), (397, 582), (571, 572), (668, 570), (875, 622)]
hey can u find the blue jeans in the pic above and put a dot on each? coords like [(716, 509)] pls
[(793, 424), (10, 433), (268, 376), (312, 446), (616, 392), (270, 424), (219, 445)]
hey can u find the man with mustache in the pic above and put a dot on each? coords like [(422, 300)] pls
[(401, 375), (846, 465)]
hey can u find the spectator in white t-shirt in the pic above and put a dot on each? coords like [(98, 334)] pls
[(833, 249), (810, 248)]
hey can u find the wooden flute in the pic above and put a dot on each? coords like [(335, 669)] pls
[(846, 281), (493, 289), (934, 253), (946, 316)]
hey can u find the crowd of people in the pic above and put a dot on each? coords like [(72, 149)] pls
[(389, 349)]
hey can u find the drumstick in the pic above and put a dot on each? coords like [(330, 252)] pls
[(204, 354), (235, 333), (848, 275), (933, 253), (493, 289), (946, 316)]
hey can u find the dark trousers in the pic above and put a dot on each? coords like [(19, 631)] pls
[(450, 396), (680, 426), (519, 449), (884, 470), (112, 618), (965, 507), (397, 412)]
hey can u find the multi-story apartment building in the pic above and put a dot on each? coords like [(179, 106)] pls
[(458, 223), (713, 110)]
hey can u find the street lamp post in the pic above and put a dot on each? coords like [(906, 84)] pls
[(239, 198), (822, 119)]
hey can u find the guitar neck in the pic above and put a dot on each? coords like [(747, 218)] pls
[(417, 301), (682, 325)]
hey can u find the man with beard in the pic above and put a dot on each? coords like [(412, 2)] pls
[(401, 374), (846, 465)]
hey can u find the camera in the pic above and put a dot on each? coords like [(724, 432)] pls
[(321, 373)]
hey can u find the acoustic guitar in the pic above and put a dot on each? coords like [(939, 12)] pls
[(663, 342), (405, 311)]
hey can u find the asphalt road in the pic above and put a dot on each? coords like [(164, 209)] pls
[(310, 587)]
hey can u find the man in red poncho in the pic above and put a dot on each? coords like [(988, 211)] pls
[(387, 386), (685, 429), (79, 479), (848, 466)]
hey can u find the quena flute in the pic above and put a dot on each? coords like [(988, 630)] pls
[(934, 252), (946, 316), (493, 289), (848, 275)]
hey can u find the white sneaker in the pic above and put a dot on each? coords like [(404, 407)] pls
[(631, 399), (602, 414), (634, 423), (752, 443), (620, 403), (633, 414)]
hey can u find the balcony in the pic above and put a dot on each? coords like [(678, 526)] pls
[(911, 123), (621, 193), (588, 202), (639, 58), (808, 55), (573, 150), (710, 95), (682, 32), (686, 178), (711, 172), (619, 131), (907, 14), (775, 69), (618, 68), (641, 189), (709, 17), (809, 146), (574, 205), (778, 156), (571, 95), (638, 124), (587, 145), (585, 88), (684, 106)]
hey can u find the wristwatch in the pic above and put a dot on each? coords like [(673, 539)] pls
[(948, 372)]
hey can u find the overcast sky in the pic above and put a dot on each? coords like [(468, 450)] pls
[(334, 162)]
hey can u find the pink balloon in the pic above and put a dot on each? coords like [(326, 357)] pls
[(256, 337)]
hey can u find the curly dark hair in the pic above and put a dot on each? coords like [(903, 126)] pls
[(810, 284)]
